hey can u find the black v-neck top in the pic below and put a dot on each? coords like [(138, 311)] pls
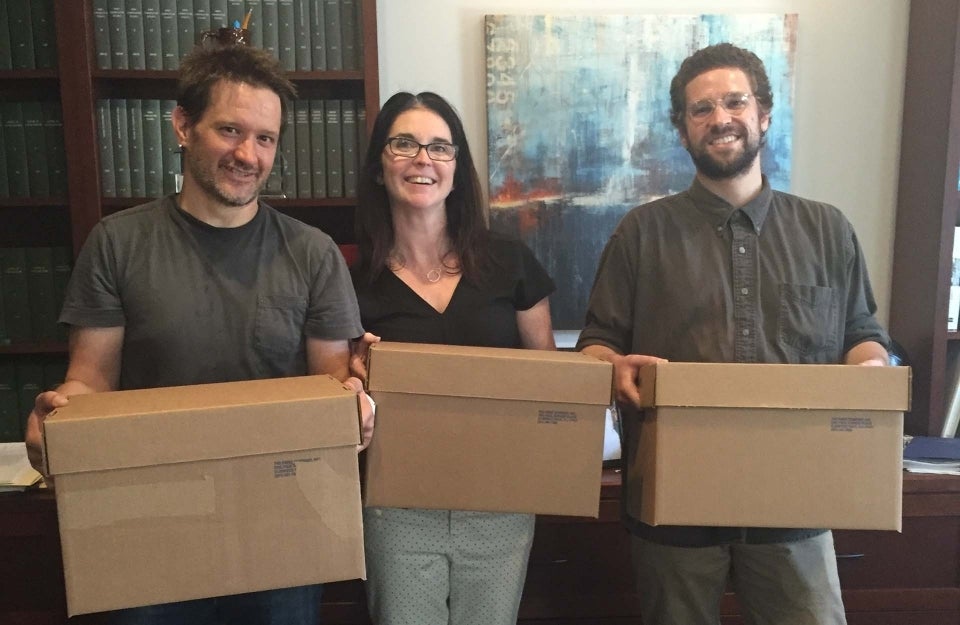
[(479, 316)]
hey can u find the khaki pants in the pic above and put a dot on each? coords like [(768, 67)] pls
[(792, 583), (445, 567)]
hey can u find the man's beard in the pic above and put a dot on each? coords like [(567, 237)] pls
[(716, 169), (208, 184)]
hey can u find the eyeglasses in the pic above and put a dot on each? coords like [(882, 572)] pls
[(734, 103), (408, 148)]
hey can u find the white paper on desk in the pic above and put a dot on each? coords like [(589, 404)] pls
[(15, 469), (941, 467), (611, 435)]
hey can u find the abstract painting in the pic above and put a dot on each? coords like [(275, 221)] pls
[(579, 130)]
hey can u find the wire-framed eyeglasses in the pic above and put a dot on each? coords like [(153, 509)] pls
[(734, 103), (408, 148)]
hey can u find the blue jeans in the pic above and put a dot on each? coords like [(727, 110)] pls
[(286, 606)]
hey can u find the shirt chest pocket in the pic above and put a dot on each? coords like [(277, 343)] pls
[(279, 324), (809, 320)]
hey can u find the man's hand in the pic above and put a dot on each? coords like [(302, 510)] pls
[(626, 371), (358, 355), (367, 413), (43, 405), (626, 376)]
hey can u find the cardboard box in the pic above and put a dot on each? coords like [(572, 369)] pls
[(180, 493), (475, 428), (755, 445)]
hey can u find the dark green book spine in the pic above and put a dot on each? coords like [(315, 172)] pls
[(138, 185), (44, 37), (256, 21), (235, 13), (201, 18), (186, 25), (334, 38), (4, 183), (56, 150), (41, 293), (169, 34), (135, 45), (271, 20), (62, 266), (363, 138), (348, 34), (287, 32), (117, 16), (301, 114), (288, 155), (170, 151), (318, 35), (4, 336), (6, 51), (38, 176), (16, 300), (16, 149), (152, 148), (301, 28), (334, 149), (108, 178), (121, 145), (21, 34), (54, 373), (29, 385), (218, 14), (348, 119), (101, 33), (152, 39), (10, 429), (318, 148)]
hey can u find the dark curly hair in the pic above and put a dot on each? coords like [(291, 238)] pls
[(466, 223), (714, 57), (204, 67)]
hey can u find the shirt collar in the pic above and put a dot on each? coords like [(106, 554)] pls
[(719, 211)]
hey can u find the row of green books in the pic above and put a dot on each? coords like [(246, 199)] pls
[(318, 157), (20, 383), (321, 148), (27, 35), (306, 35), (33, 160), (32, 283)]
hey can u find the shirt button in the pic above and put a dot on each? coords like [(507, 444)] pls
[(746, 332), (744, 291), (742, 249)]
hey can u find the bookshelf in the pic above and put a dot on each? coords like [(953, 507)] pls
[(78, 79), (928, 208)]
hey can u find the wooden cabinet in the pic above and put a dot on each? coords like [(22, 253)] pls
[(927, 207), (579, 570)]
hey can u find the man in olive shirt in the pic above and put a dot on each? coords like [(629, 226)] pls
[(731, 271)]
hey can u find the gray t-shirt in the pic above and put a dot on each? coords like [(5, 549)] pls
[(202, 304)]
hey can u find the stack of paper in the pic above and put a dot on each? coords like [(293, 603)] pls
[(928, 454), (15, 470)]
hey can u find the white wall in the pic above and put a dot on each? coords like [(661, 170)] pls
[(849, 80)]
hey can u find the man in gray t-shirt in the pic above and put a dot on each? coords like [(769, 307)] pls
[(211, 285)]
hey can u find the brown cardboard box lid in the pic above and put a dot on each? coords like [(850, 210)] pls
[(147, 427), (489, 372), (736, 385)]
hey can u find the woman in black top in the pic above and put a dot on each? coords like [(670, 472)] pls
[(431, 272)]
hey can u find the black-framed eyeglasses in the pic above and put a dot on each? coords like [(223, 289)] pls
[(408, 148), (734, 103)]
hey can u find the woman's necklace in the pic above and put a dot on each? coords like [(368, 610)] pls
[(396, 262)]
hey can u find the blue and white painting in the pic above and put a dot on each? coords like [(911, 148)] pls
[(579, 127)]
